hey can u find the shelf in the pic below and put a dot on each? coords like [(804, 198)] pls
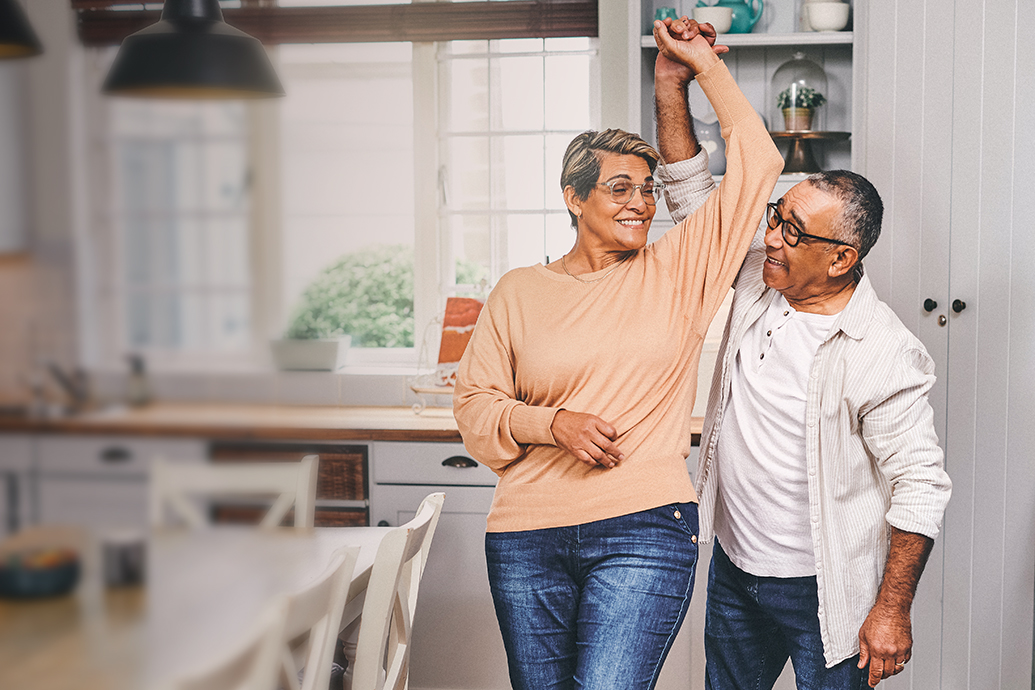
[(814, 38)]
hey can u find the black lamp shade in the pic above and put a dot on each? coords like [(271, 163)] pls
[(17, 39), (192, 53)]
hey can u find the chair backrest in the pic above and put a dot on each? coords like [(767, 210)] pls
[(383, 648), (311, 630), (174, 486), (254, 664)]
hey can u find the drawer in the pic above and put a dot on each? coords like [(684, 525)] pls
[(422, 463), (112, 456)]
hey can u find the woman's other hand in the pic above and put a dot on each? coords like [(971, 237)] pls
[(588, 437), (688, 43)]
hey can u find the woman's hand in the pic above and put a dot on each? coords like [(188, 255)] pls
[(588, 437), (685, 29), (688, 43)]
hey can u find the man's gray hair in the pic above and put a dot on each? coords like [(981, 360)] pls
[(861, 208)]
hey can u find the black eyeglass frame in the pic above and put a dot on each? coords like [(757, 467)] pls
[(649, 197), (773, 210)]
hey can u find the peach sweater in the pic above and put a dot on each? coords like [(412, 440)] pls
[(625, 348)]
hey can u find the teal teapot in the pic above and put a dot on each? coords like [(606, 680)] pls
[(744, 18)]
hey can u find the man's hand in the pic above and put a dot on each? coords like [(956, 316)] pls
[(677, 44), (886, 637), (885, 642), (684, 29), (588, 437)]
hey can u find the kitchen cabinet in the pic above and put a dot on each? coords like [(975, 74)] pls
[(949, 110), (456, 640), (101, 482)]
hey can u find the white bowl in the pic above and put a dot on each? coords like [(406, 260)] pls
[(826, 16), (718, 17)]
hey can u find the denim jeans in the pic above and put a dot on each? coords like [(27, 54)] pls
[(753, 624), (595, 605)]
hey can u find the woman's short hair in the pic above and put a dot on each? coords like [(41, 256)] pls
[(581, 165)]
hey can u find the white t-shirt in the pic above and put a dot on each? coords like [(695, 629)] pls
[(762, 514)]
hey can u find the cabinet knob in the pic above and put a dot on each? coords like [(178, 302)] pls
[(459, 461), (930, 305), (958, 305), (383, 523)]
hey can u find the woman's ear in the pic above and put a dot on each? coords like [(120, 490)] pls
[(572, 201), (844, 261)]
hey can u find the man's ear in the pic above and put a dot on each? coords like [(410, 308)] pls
[(572, 201), (843, 262)]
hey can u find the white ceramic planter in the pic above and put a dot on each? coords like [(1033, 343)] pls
[(324, 354)]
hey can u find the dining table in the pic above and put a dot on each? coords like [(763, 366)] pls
[(202, 591)]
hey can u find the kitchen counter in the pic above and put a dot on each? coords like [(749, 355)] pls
[(217, 420)]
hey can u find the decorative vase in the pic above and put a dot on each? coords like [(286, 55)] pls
[(797, 119)]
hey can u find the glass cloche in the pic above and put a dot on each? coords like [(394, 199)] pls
[(798, 90)]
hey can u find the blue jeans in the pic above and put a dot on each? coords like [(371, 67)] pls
[(595, 605), (753, 624)]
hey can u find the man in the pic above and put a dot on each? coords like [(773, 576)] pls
[(820, 472)]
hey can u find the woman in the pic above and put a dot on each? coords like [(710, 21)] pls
[(577, 387)]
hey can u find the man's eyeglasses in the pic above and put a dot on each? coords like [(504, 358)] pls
[(622, 191), (792, 234)]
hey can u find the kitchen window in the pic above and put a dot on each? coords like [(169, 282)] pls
[(211, 219)]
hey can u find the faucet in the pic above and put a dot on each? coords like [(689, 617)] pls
[(75, 385)]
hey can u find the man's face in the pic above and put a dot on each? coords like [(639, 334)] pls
[(802, 271)]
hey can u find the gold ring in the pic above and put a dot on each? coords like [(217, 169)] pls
[(898, 665)]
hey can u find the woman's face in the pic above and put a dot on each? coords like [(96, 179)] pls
[(607, 224)]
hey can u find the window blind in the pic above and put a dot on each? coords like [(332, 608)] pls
[(107, 22)]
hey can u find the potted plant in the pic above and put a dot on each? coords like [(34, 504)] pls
[(798, 104), (364, 299)]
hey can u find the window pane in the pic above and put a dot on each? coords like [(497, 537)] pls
[(471, 247), (347, 158), (518, 45), (568, 43), (466, 163), (467, 84), (227, 252), (567, 92), (520, 178), (520, 92), (229, 321), (525, 240), (556, 145)]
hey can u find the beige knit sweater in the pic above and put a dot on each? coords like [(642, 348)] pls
[(625, 348)]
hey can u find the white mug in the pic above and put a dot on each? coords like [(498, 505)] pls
[(826, 16), (719, 17)]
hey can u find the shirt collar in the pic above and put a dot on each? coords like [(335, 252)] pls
[(856, 315)]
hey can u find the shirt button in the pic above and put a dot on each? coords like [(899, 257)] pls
[(786, 313), (769, 333), (762, 356), (677, 515)]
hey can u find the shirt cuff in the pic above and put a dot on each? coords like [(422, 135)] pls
[(530, 425), (682, 171)]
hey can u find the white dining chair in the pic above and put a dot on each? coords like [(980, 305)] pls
[(176, 488), (383, 647), (255, 663), (311, 630)]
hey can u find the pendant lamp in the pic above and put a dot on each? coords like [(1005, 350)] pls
[(192, 53), (17, 39)]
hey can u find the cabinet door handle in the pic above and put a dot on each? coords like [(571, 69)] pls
[(116, 455), (958, 305), (459, 461), (930, 305)]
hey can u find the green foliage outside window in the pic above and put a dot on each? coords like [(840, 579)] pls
[(369, 295)]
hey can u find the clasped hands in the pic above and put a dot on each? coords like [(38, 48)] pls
[(680, 49)]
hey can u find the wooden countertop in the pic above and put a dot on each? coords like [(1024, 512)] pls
[(241, 421)]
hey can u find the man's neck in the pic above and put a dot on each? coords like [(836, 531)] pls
[(829, 301)]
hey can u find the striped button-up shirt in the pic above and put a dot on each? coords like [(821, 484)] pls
[(871, 452), (872, 456)]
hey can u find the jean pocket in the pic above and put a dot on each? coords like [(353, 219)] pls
[(685, 514)]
